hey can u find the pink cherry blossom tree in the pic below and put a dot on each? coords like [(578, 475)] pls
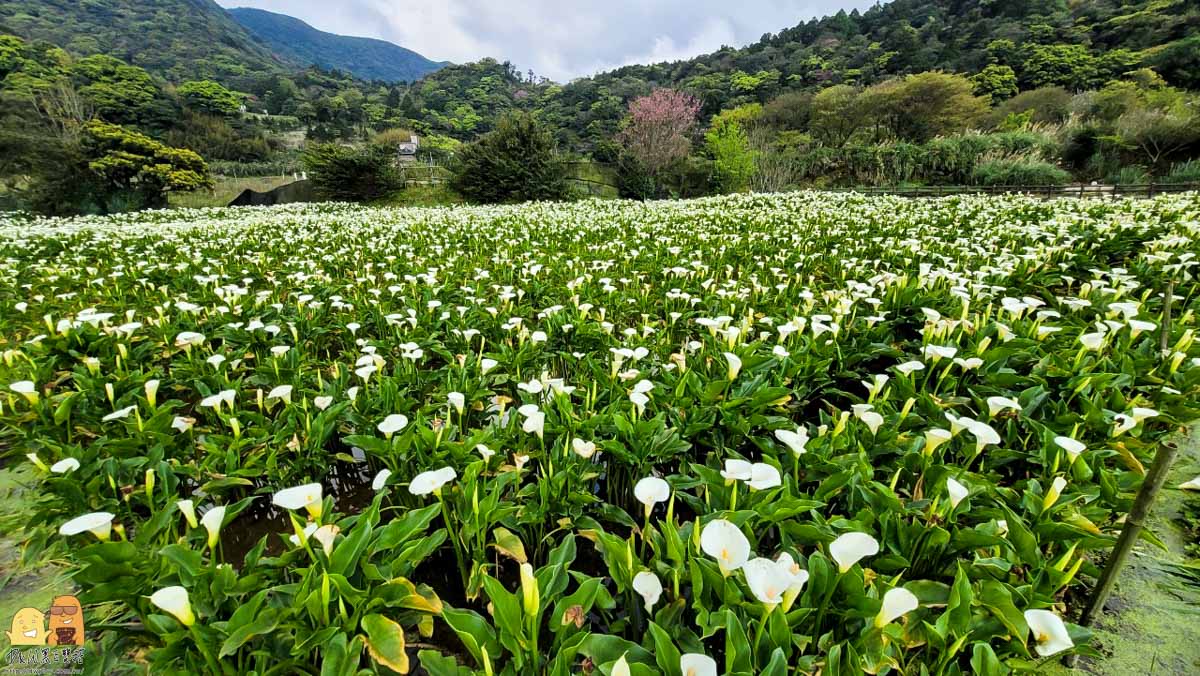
[(660, 127)]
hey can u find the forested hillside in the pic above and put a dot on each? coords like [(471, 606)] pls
[(912, 91), (175, 39), (1075, 45), (298, 42)]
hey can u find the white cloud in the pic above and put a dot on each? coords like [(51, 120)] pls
[(560, 39)]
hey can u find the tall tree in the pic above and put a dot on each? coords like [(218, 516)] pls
[(658, 131)]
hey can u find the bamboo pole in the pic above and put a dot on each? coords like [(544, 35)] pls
[(1134, 524), (1135, 521)]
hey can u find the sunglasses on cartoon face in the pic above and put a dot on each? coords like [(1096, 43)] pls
[(63, 610)]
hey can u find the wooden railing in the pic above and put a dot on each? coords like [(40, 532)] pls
[(1047, 191)]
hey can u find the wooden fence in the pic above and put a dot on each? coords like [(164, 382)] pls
[(433, 174), (424, 174), (1045, 191), (597, 179)]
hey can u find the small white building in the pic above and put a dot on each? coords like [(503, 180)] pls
[(407, 150)]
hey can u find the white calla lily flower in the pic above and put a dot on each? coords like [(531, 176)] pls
[(188, 509), (764, 477), (392, 424), (1049, 632), (650, 491), (738, 470), (850, 548), (697, 664), (649, 587), (957, 491), (796, 441), (1073, 447), (307, 497), (584, 449), (380, 479), (175, 601), (432, 481), (897, 602), (726, 543), (326, 535), (65, 466), (212, 521), (768, 580), (96, 523)]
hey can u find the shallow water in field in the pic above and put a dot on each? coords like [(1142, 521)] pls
[(1151, 623)]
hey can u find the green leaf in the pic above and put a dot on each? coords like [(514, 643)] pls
[(506, 606), (509, 545), (738, 655), (1022, 539), (997, 598), (984, 661), (665, 652), (385, 642), (603, 648), (265, 623), (339, 656), (474, 631), (778, 665), (438, 664), (350, 549)]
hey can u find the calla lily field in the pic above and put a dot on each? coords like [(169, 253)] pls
[(756, 434)]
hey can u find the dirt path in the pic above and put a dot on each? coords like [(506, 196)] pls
[(21, 586)]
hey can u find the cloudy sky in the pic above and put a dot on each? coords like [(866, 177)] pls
[(559, 39)]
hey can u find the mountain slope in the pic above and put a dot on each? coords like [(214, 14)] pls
[(1068, 43), (369, 59), (178, 39)]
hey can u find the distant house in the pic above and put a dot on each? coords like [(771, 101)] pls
[(407, 150)]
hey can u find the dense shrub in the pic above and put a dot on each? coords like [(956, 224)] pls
[(518, 161), (217, 138), (109, 169), (1184, 172), (1048, 105), (348, 174), (634, 181), (1019, 172), (733, 159), (950, 160), (1128, 175), (283, 166)]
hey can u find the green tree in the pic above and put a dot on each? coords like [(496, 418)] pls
[(122, 94), (996, 82), (1069, 66), (836, 114), (1157, 134), (1003, 52), (1179, 62), (210, 98), (135, 169), (518, 161), (733, 159), (106, 169), (789, 111), (347, 174), (923, 106), (1047, 105)]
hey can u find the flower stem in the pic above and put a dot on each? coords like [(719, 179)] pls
[(213, 665)]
